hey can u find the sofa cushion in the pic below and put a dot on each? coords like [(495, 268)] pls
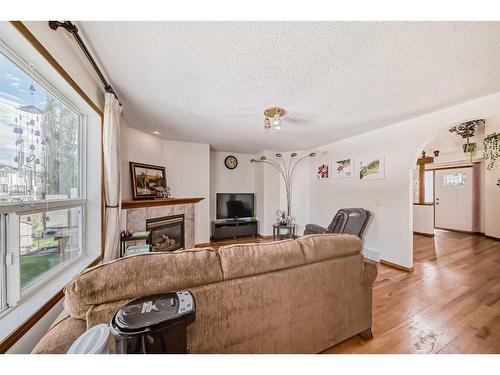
[(61, 335), (138, 275), (252, 259), (318, 247)]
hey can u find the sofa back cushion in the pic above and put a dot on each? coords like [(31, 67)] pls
[(318, 247), (252, 259), (139, 275)]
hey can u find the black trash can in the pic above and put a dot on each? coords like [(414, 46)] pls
[(154, 324)]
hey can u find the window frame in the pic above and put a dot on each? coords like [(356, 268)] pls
[(430, 172), (3, 265), (450, 178), (12, 293), (16, 32)]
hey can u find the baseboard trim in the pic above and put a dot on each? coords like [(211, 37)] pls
[(424, 234), (467, 232), (396, 266), (459, 231), (491, 237)]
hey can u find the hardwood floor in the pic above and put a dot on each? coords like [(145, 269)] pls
[(449, 304)]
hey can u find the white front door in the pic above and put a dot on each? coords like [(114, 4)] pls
[(454, 199)]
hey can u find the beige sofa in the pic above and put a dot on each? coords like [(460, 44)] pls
[(293, 296)]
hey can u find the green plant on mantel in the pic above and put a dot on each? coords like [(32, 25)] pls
[(491, 149)]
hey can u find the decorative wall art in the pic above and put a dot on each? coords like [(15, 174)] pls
[(370, 168), (148, 181), (343, 168), (323, 171)]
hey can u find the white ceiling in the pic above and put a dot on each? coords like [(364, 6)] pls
[(210, 82)]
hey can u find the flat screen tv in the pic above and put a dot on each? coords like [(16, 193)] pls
[(235, 206)]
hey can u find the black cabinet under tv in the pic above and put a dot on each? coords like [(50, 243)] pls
[(233, 229)]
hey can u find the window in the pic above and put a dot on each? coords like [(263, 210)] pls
[(42, 195), (3, 294), (429, 187), (454, 179), (47, 240)]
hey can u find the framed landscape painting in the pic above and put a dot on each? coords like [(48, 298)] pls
[(370, 168), (343, 168), (147, 180)]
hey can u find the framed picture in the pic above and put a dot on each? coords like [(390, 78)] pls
[(343, 168), (323, 171), (370, 168), (146, 179)]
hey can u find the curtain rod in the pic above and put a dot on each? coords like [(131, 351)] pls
[(71, 28)]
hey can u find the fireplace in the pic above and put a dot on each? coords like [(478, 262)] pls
[(167, 233)]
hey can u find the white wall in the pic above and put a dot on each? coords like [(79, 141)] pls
[(187, 165), (265, 182), (62, 46), (423, 219), (390, 200), (224, 180), (492, 204), (268, 195), (300, 190), (450, 145)]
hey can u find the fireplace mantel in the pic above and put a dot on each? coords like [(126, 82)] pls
[(158, 202)]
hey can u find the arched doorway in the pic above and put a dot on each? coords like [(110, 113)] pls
[(449, 190)]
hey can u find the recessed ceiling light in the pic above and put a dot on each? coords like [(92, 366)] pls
[(156, 132)]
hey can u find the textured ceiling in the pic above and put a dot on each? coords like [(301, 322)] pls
[(211, 81)]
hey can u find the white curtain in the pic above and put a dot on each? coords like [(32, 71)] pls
[(112, 176)]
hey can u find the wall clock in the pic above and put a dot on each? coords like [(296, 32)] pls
[(231, 162)]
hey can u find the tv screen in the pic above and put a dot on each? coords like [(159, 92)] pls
[(232, 206)]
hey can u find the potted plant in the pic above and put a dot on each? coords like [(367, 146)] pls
[(491, 149), (470, 148), (467, 130)]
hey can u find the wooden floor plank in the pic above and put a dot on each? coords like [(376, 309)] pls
[(449, 304)]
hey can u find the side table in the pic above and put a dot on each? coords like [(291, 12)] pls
[(288, 229), (137, 236)]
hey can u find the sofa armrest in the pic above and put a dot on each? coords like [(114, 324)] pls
[(61, 335), (315, 229), (370, 272)]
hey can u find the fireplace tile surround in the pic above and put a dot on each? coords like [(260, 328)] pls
[(135, 218)]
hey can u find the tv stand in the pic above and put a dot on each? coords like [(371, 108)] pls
[(233, 228)]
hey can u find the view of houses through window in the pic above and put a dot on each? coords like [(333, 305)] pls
[(40, 145)]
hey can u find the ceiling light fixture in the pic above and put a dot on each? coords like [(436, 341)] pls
[(267, 123), (273, 117), (156, 132)]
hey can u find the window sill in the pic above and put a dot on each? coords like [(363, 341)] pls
[(12, 318)]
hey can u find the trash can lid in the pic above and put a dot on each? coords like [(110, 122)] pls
[(92, 341), (151, 311)]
